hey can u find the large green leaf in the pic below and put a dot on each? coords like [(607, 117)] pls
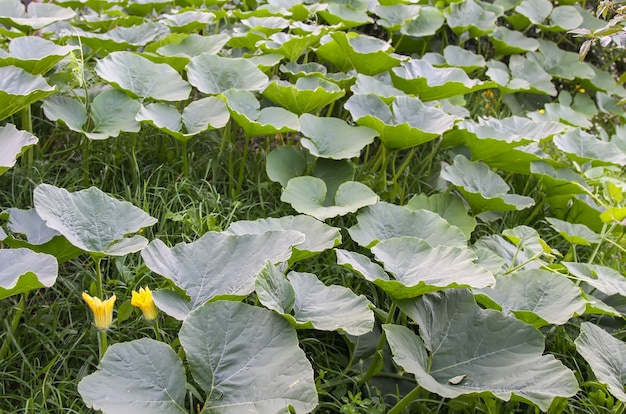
[(582, 147), (142, 78), (111, 112), (348, 13), (510, 42), (407, 123), (427, 23), (420, 78), (449, 207), (291, 45), (490, 137), (383, 221), (483, 189), (318, 236), (284, 163), (308, 94), (247, 112), (530, 71), (602, 278), (328, 137), (92, 220), (537, 297), (365, 54), (122, 38), (23, 270), (13, 143), (247, 359), (218, 264), (314, 305), (574, 233), (39, 15), (308, 195), (468, 350), (605, 355), (560, 63), (188, 21), (379, 85), (18, 89), (214, 74), (34, 54), (419, 268), (180, 52), (28, 230), (469, 16), (142, 376), (200, 115)]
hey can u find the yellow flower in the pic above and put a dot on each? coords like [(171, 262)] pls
[(143, 300), (102, 310)]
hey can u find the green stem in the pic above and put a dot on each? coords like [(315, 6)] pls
[(185, 159), (15, 322), (99, 284), (102, 343), (374, 368), (133, 154), (242, 166), (157, 332), (86, 147), (27, 125), (597, 249), (404, 165), (406, 401)]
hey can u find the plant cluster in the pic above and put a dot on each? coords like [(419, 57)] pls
[(341, 206)]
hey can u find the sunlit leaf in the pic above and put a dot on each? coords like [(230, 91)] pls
[(150, 368), (583, 147), (404, 124), (419, 268), (483, 189), (328, 137), (467, 15), (308, 94), (246, 110), (318, 236), (34, 54), (112, 112), (420, 78), (284, 163), (142, 78), (28, 230), (92, 220), (209, 268), (574, 233), (484, 346), (214, 74), (37, 16), (605, 355), (448, 206), (537, 297), (13, 143), (383, 221), (603, 278), (18, 89), (247, 358), (24, 270), (309, 304), (308, 194), (198, 116), (365, 54), (509, 42)]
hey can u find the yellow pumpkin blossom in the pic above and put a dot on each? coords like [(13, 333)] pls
[(102, 310), (143, 300)]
